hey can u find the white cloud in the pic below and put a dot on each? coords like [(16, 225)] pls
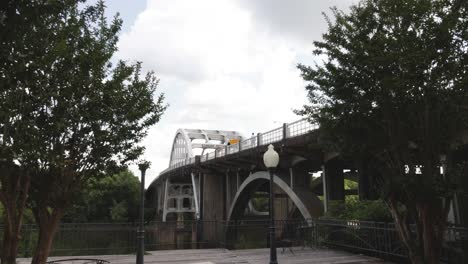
[(300, 21), (223, 64)]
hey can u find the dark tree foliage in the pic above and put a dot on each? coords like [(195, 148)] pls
[(66, 113), (113, 198), (392, 91), (21, 70)]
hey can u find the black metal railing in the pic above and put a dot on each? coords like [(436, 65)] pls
[(370, 238)]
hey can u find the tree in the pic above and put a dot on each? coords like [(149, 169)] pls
[(113, 198), (22, 26), (392, 89), (82, 115), (13, 193)]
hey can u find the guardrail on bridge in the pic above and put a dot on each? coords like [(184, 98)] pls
[(288, 130)]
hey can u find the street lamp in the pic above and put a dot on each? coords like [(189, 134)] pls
[(143, 166), (271, 160)]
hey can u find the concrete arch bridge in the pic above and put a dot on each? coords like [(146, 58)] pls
[(216, 175), (219, 175)]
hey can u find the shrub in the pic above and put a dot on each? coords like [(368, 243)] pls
[(354, 209)]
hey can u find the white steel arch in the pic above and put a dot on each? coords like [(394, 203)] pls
[(183, 145)]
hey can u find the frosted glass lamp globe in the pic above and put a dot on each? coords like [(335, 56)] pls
[(271, 157)]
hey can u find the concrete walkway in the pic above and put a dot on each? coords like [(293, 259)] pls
[(224, 256)]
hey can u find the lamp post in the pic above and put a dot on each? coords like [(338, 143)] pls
[(141, 230), (271, 160)]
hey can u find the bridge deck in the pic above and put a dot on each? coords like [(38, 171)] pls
[(224, 256)]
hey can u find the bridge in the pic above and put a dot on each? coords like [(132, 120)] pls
[(219, 175), (209, 178)]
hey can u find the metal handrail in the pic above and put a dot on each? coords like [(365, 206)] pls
[(293, 129), (211, 155), (270, 136), (248, 143), (234, 148)]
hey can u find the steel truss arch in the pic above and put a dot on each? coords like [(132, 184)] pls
[(183, 145)]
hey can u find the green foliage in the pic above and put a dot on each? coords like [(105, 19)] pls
[(67, 113), (384, 76), (392, 92), (350, 185), (355, 209), (28, 217), (119, 212), (261, 204), (113, 198)]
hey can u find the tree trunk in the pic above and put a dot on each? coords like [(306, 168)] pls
[(425, 246), (13, 194), (10, 244), (48, 224), (404, 232), (434, 226)]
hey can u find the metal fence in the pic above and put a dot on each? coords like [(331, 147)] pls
[(370, 238)]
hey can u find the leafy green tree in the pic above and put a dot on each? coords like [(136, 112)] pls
[(119, 212), (68, 113), (355, 209), (113, 198), (392, 90), (350, 185), (22, 27)]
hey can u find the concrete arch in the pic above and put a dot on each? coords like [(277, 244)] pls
[(306, 202)]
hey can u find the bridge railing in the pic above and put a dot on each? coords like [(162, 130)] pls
[(288, 130), (271, 136), (233, 148), (300, 127), (220, 152), (248, 143)]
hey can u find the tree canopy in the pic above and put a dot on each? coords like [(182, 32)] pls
[(392, 90), (66, 112), (113, 198)]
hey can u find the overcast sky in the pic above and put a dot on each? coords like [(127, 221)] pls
[(222, 64)]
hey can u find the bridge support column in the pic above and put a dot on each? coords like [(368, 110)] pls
[(228, 191), (281, 204), (298, 177), (213, 204), (166, 187), (213, 197), (334, 179), (201, 188)]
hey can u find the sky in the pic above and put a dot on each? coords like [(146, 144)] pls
[(222, 64)]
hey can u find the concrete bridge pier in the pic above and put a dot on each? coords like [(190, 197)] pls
[(334, 179), (212, 205)]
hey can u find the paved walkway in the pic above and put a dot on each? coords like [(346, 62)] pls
[(224, 256)]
